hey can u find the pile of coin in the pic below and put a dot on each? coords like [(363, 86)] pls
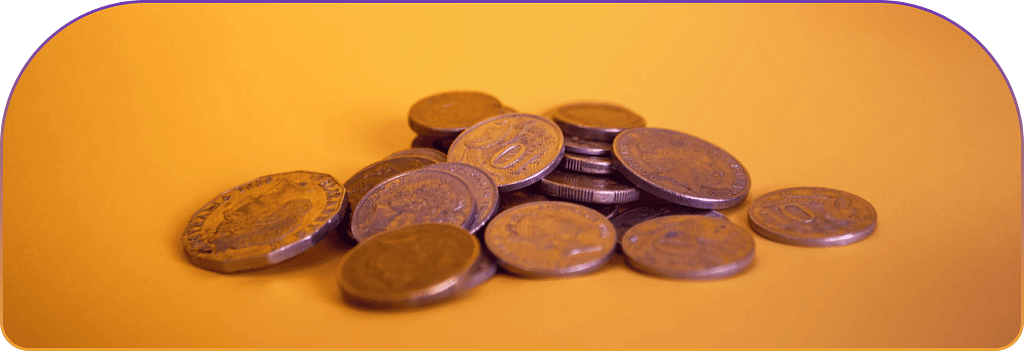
[(548, 195)]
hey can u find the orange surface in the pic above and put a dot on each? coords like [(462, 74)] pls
[(133, 117)]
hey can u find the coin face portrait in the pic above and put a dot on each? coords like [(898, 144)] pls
[(265, 219), (685, 164), (415, 197), (809, 216), (514, 150)]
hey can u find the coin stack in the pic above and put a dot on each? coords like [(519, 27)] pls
[(546, 196)]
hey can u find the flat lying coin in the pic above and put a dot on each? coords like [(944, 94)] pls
[(407, 267), (483, 270), (515, 150), (810, 216), (581, 146), (595, 120), (264, 221), (368, 177), (425, 152), (415, 197), (436, 143), (628, 218), (588, 188), (551, 238), (688, 247), (680, 168), (448, 114), (587, 164), (485, 193), (515, 198)]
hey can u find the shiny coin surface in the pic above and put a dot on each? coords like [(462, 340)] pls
[(407, 267), (595, 120), (688, 247), (587, 147), (415, 197), (587, 164), (515, 150), (515, 198), (447, 114), (548, 239), (680, 168), (628, 218), (429, 153), (587, 188), (264, 221), (485, 193), (809, 216)]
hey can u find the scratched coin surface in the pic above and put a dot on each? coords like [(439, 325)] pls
[(596, 120), (587, 164), (447, 114), (688, 247), (630, 217), (588, 188), (429, 153), (485, 193), (415, 197), (515, 150), (264, 221), (810, 216), (407, 267), (680, 168), (581, 146), (549, 239)]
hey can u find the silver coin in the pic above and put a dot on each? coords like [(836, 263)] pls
[(630, 217), (485, 193), (580, 146), (415, 197), (595, 120), (436, 143), (680, 168), (587, 164), (367, 178), (688, 247), (428, 153), (515, 150), (587, 188), (512, 199), (815, 217), (264, 221), (550, 238), (448, 114)]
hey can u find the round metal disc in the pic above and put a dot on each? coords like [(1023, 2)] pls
[(688, 247), (515, 150), (809, 216)]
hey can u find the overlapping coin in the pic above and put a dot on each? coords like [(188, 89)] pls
[(485, 193), (810, 216), (264, 221), (596, 120), (688, 247), (415, 197), (582, 146), (632, 216), (515, 150), (447, 114), (588, 188), (431, 154), (587, 164)]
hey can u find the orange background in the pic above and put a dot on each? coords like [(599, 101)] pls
[(133, 117)]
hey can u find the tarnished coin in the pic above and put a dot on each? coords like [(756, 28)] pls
[(581, 146), (595, 120), (587, 164), (447, 114), (515, 150), (425, 152), (407, 267), (551, 238), (415, 197), (688, 247), (588, 188), (264, 221), (515, 198), (809, 216), (628, 218), (485, 193), (680, 168), (436, 143)]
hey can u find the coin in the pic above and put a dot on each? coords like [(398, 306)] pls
[(680, 168), (587, 188), (515, 150), (368, 177), (408, 267), (587, 147), (587, 164), (428, 153), (485, 193), (264, 221), (447, 114), (512, 199), (628, 218), (482, 271), (596, 120), (414, 197), (436, 143), (809, 216), (549, 239), (688, 247)]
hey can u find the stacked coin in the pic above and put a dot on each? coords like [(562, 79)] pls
[(439, 118)]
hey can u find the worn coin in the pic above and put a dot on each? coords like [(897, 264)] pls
[(809, 216), (595, 120), (550, 238), (680, 168), (410, 266), (447, 114), (688, 247), (581, 146), (630, 217), (368, 177), (587, 188), (425, 152), (414, 197), (587, 164), (515, 198), (485, 193), (515, 150), (264, 221)]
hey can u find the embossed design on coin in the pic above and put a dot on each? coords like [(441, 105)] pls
[(485, 193), (414, 197), (587, 164), (447, 114), (515, 150), (688, 247), (368, 177), (408, 267), (587, 147), (431, 154), (628, 218), (809, 216), (596, 120), (588, 188), (680, 168), (551, 238), (264, 221)]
